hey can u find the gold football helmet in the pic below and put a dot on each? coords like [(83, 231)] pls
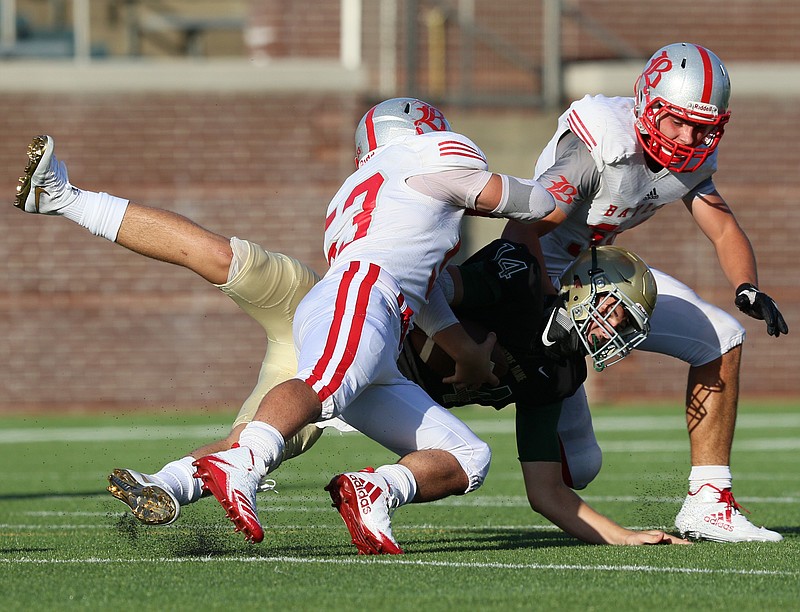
[(609, 294)]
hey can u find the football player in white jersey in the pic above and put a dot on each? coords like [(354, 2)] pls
[(611, 165), (389, 232), (268, 286)]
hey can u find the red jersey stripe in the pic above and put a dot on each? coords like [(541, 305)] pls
[(329, 219), (453, 147), (579, 129), (456, 143), (460, 154)]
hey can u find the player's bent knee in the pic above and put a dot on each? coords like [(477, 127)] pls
[(582, 468), (475, 460)]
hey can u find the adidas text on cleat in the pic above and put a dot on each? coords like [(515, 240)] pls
[(44, 188), (713, 514), (362, 502), (149, 502), (230, 476)]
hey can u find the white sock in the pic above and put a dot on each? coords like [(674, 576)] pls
[(74, 210), (402, 484), (102, 214), (178, 477), (716, 475), (265, 441)]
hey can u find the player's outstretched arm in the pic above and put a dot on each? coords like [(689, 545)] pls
[(550, 497), (737, 259), (515, 198)]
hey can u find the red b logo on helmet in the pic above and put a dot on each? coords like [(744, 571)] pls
[(432, 118), (658, 65)]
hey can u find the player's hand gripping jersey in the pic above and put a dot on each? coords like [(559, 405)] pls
[(376, 216)]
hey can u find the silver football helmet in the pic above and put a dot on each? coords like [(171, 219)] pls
[(393, 118), (689, 82), (609, 295)]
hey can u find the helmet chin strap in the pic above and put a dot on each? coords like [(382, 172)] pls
[(598, 367), (595, 268)]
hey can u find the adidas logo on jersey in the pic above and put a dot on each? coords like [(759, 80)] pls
[(652, 195)]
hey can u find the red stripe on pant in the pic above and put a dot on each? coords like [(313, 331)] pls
[(354, 335), (406, 313)]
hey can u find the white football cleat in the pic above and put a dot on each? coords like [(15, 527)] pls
[(713, 514), (231, 477), (149, 502), (45, 186), (363, 503)]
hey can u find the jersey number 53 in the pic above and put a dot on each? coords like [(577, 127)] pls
[(364, 196)]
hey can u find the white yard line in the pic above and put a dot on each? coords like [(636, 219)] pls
[(281, 503), (178, 432), (557, 567), (682, 446)]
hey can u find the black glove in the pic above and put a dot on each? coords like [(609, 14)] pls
[(759, 305)]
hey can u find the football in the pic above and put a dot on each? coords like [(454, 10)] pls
[(441, 363)]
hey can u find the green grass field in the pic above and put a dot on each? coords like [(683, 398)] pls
[(67, 544)]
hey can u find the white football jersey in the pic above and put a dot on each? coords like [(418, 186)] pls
[(627, 192), (377, 217)]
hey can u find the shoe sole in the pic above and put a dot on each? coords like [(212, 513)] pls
[(696, 535), (700, 537), (36, 151), (345, 500), (210, 484), (148, 503)]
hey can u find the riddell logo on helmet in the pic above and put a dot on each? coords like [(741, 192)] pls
[(366, 158), (702, 107)]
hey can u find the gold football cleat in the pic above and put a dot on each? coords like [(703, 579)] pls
[(149, 502), (35, 152)]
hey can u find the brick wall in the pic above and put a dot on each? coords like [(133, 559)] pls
[(735, 29), (87, 324)]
